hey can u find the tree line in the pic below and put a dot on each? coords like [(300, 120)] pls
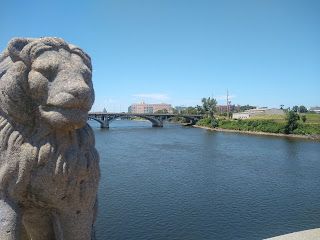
[(213, 119)]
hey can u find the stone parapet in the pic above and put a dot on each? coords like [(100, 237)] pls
[(313, 234)]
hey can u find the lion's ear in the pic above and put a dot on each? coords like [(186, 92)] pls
[(15, 47)]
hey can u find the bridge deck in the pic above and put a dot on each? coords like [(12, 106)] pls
[(144, 114), (157, 119)]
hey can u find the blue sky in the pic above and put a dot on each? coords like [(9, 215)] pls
[(266, 52)]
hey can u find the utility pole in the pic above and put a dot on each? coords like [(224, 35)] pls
[(227, 105)]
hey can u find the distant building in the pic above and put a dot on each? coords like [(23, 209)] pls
[(143, 107), (259, 111), (223, 108), (315, 109), (180, 108)]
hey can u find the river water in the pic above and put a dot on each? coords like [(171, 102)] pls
[(188, 183)]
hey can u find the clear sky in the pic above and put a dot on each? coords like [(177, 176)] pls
[(266, 52)]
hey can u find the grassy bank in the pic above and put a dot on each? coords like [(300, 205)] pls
[(266, 123), (311, 118)]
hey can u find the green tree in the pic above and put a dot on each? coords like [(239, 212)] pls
[(281, 106), (164, 111), (295, 108), (214, 123), (199, 109), (209, 106), (304, 118), (175, 111), (190, 110), (303, 109), (208, 122), (246, 107), (292, 122)]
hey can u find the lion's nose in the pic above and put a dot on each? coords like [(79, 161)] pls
[(78, 88), (82, 92)]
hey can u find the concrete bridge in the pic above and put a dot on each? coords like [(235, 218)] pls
[(157, 119)]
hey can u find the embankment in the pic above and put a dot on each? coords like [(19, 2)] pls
[(308, 136)]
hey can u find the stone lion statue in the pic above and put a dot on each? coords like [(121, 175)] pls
[(49, 167)]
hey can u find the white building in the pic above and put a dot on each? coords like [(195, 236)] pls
[(315, 109), (259, 111)]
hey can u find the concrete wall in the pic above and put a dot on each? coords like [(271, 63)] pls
[(241, 115), (274, 111)]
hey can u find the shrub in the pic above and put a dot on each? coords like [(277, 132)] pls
[(292, 122), (206, 122)]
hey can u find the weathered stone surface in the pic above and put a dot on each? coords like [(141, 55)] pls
[(312, 234), (49, 167)]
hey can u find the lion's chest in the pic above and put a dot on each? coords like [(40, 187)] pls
[(61, 171)]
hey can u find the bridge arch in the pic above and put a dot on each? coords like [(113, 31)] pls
[(192, 120), (103, 124), (155, 122)]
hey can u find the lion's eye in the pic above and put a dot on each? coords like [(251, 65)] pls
[(48, 72), (87, 75)]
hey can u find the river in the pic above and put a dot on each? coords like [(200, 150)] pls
[(188, 183)]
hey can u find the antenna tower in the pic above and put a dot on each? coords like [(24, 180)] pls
[(227, 105)]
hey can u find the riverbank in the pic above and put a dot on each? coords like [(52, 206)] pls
[(309, 136)]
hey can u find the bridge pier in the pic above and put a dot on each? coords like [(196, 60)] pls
[(157, 124), (104, 124), (193, 122)]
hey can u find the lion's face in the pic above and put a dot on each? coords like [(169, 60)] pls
[(45, 80), (61, 86)]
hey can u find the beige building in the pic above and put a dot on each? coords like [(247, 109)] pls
[(259, 111), (143, 107)]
